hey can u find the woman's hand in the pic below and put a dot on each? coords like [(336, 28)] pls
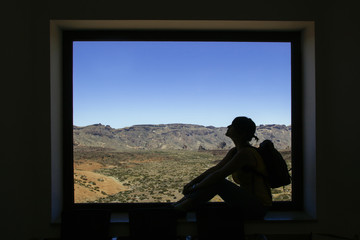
[(188, 188)]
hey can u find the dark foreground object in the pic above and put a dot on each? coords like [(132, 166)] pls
[(153, 224), (85, 225), (224, 224)]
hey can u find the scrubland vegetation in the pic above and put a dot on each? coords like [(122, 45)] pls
[(151, 175)]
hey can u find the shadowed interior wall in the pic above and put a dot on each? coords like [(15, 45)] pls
[(26, 176)]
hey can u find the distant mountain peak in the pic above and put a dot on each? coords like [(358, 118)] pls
[(172, 136)]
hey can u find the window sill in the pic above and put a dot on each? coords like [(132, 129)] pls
[(274, 216), (288, 216)]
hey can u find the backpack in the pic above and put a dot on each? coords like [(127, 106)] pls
[(275, 164)]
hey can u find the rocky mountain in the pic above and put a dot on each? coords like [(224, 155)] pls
[(172, 136)]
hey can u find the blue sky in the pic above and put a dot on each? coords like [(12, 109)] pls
[(208, 83)]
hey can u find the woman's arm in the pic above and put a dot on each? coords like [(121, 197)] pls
[(240, 160), (198, 179)]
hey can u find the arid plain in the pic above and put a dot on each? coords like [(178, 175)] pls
[(139, 176)]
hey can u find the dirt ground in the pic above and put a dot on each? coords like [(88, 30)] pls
[(90, 186)]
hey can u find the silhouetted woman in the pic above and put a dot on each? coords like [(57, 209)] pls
[(243, 162)]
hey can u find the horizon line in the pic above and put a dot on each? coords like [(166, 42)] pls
[(97, 124)]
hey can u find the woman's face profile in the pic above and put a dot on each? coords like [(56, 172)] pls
[(230, 130)]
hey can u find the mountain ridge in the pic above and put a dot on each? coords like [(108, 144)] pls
[(172, 136)]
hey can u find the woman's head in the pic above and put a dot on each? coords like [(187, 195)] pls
[(244, 127)]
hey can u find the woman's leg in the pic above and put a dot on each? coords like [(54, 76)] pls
[(241, 200), (235, 196), (198, 197)]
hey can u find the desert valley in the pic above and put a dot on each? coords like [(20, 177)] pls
[(151, 163)]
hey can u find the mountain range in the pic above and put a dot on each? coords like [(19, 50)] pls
[(172, 136)]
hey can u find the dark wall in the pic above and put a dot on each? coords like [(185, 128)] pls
[(26, 164)]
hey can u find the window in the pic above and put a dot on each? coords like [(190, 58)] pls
[(144, 111)]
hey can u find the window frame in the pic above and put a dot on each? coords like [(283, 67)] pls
[(294, 37)]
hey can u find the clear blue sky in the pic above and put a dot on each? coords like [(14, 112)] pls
[(208, 83)]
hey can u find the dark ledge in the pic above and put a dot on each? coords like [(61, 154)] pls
[(275, 216)]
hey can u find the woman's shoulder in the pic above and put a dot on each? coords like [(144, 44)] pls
[(254, 152), (250, 154), (246, 152), (249, 150), (233, 150), (231, 153)]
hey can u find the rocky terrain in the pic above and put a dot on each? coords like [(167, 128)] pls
[(151, 163), (172, 136)]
